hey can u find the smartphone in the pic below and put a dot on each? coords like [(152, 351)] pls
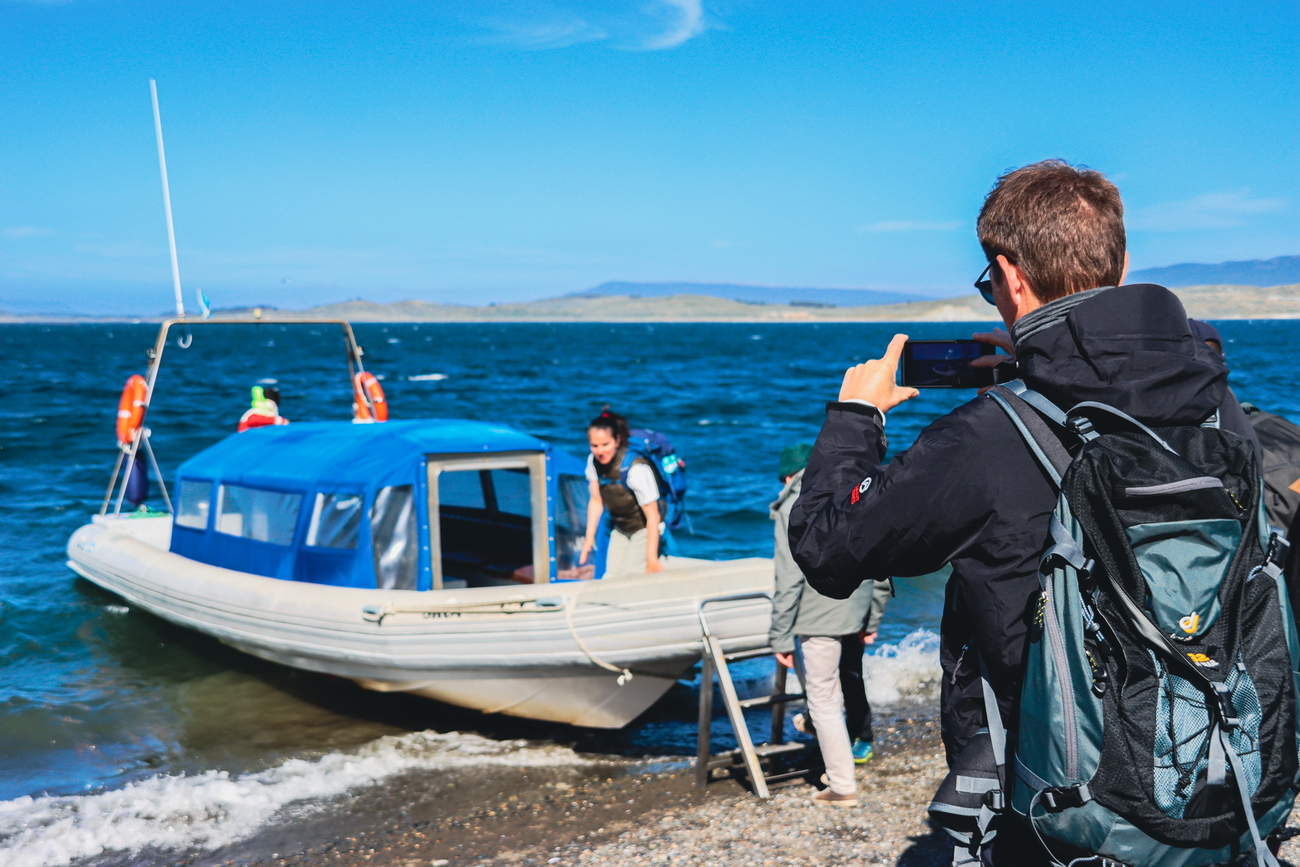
[(946, 364)]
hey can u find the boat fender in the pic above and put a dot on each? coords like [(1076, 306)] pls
[(130, 409), (368, 403), (137, 482)]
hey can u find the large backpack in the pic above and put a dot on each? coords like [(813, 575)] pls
[(669, 470), (1279, 440), (1158, 712)]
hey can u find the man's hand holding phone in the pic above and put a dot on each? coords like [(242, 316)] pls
[(1002, 340), (875, 381)]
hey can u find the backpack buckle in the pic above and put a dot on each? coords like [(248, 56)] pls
[(1058, 798), (1081, 426), (1227, 713), (994, 800), (1277, 550)]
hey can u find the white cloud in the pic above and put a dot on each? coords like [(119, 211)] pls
[(1207, 211), (655, 25), (689, 23), (540, 35), (18, 233), (913, 226)]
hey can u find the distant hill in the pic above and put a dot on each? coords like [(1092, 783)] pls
[(1281, 271), (1202, 302), (753, 294)]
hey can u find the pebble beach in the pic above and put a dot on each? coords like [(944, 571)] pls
[(627, 820)]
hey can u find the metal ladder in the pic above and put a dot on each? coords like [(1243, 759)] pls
[(714, 662)]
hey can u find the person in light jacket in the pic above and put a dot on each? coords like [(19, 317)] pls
[(831, 633)]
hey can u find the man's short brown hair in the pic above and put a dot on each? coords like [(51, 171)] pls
[(1063, 225)]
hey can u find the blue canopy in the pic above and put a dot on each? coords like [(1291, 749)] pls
[(318, 455), (347, 504)]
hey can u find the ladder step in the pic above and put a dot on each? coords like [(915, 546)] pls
[(727, 760), (748, 754), (748, 654), (769, 700)]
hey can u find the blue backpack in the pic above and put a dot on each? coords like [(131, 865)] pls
[(669, 470)]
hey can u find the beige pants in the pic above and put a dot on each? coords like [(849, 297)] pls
[(626, 556), (821, 661)]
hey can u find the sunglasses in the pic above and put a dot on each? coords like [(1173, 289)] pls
[(985, 285)]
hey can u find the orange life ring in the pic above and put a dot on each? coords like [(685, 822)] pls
[(130, 409), (368, 397)]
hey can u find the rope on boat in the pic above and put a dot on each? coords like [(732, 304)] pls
[(624, 674), (377, 613)]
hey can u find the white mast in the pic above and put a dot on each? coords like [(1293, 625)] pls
[(167, 201)]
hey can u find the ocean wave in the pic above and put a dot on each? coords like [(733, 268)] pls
[(212, 809), (907, 670), (904, 672)]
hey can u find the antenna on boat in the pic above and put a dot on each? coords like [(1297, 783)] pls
[(167, 200)]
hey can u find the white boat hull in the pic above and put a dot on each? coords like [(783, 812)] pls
[(542, 651)]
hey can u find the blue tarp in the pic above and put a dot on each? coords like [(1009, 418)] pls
[(340, 458), (325, 456)]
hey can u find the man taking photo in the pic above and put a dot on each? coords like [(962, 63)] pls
[(968, 492)]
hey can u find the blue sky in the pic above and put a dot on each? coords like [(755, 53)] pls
[(471, 152)]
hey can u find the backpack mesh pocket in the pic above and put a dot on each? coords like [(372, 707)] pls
[(1182, 736)]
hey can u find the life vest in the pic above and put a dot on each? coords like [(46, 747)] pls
[(618, 498), (259, 417)]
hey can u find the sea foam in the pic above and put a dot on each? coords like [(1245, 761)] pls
[(907, 670), (904, 672), (214, 808)]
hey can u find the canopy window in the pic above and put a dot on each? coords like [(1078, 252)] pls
[(335, 521), (393, 538), (261, 515), (571, 528), (487, 520), (193, 501)]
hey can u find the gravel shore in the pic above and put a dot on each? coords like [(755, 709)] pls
[(610, 817), (613, 818)]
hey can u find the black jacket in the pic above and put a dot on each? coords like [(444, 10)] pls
[(968, 492)]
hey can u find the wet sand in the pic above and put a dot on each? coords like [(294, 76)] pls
[(616, 816)]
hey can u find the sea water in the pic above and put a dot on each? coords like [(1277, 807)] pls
[(119, 731)]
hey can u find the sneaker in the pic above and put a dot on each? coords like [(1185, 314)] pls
[(827, 798), (803, 723), (862, 751)]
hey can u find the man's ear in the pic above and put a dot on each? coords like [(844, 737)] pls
[(1019, 292)]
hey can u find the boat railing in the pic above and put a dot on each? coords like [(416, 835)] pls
[(732, 597), (126, 456)]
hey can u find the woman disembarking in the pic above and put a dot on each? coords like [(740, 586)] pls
[(624, 485)]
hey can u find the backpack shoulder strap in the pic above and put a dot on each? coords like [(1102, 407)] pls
[(1124, 417), (631, 459), (1026, 409)]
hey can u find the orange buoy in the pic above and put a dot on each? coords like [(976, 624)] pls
[(368, 398), (130, 409)]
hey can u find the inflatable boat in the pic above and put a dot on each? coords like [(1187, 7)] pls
[(432, 556)]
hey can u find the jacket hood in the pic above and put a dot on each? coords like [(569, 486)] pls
[(1129, 347), (793, 486)]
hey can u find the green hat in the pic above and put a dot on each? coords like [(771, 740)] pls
[(793, 459)]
